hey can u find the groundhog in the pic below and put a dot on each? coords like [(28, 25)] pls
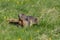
[(24, 20)]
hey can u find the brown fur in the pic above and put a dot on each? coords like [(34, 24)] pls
[(24, 20)]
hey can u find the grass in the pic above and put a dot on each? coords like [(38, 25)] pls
[(47, 11)]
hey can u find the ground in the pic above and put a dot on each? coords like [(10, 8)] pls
[(47, 11)]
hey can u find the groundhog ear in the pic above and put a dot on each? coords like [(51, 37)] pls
[(35, 19)]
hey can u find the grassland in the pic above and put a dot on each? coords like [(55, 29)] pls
[(47, 11)]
